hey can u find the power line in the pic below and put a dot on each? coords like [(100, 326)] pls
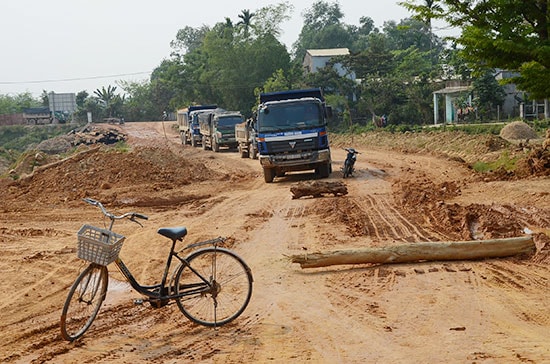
[(73, 79)]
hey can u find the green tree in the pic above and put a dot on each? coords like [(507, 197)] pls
[(188, 39), (17, 103), (44, 98), (224, 64), (453, 65), (164, 86), (322, 29), (377, 60), (362, 34), (81, 98), (507, 34), (268, 19), (282, 80), (411, 32), (109, 102), (488, 94), (139, 104), (396, 70), (425, 11)]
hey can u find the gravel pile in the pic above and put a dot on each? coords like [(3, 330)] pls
[(518, 130)]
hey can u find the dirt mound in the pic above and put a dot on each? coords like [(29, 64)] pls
[(455, 145), (61, 144), (518, 130), (537, 163), (470, 222), (343, 211), (50, 150), (87, 135), (114, 176)]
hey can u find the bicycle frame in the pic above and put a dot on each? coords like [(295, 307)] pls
[(160, 291)]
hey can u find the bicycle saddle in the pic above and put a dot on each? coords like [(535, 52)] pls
[(173, 233)]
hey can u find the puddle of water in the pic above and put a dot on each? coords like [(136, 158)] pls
[(118, 291), (115, 285)]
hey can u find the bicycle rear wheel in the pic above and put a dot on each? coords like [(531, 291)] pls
[(83, 302), (223, 292)]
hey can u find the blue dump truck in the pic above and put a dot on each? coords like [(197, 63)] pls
[(292, 133), (188, 123)]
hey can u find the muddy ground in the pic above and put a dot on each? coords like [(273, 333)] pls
[(488, 311)]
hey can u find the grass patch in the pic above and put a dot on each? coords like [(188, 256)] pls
[(120, 146), (20, 137), (504, 162)]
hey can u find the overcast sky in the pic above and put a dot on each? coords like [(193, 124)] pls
[(75, 45)]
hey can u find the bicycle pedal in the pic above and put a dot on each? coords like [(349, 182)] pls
[(138, 302)]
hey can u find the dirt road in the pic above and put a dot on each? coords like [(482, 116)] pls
[(489, 311)]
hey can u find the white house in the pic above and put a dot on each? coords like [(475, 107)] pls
[(318, 58), (452, 90)]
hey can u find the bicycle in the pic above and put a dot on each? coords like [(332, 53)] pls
[(211, 286)]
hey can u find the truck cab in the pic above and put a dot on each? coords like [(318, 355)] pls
[(292, 133)]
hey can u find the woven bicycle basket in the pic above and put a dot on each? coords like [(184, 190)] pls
[(100, 246)]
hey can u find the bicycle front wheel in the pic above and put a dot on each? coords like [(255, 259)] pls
[(217, 285), (83, 302)]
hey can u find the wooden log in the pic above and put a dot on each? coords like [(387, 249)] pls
[(318, 188), (416, 252)]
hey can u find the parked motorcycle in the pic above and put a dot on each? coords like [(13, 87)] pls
[(351, 157)]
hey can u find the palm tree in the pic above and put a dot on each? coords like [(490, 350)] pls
[(107, 98), (245, 21)]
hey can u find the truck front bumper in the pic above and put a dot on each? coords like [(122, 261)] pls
[(296, 161)]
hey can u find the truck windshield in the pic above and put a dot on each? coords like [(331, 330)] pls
[(290, 116), (229, 121)]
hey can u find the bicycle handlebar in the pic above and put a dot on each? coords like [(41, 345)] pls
[(130, 215)]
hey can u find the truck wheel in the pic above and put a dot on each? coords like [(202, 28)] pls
[(243, 152), (252, 152), (269, 175), (323, 170)]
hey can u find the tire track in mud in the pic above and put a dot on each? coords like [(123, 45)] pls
[(44, 287), (520, 280), (399, 304), (389, 224), (376, 218), (20, 294), (132, 333), (295, 215), (281, 322)]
